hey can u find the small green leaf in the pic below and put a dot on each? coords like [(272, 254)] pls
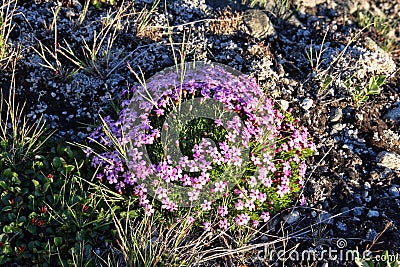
[(6, 208), (11, 216), (69, 168), (8, 229), (3, 185), (69, 152), (58, 162), (58, 241), (9, 174), (45, 187), (35, 183)]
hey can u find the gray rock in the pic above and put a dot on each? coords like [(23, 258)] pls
[(373, 213), (337, 115), (344, 211), (258, 24), (325, 217), (284, 104), (388, 160), (367, 186), (307, 103), (394, 191), (293, 217), (338, 127), (341, 226), (393, 114), (371, 234), (358, 211), (357, 198)]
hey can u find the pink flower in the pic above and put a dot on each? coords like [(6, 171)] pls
[(303, 201), (148, 210), (265, 216), (250, 205), (143, 200), (302, 169), (223, 210), (255, 223), (239, 205), (219, 186), (224, 224), (193, 195), (190, 220), (283, 189), (207, 226), (206, 205), (256, 161), (219, 122), (242, 219), (253, 181)]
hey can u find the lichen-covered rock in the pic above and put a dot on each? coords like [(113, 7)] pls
[(394, 114), (258, 24), (388, 160)]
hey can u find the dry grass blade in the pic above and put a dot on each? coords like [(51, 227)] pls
[(19, 139), (7, 13), (98, 56)]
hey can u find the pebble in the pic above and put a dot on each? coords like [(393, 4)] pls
[(388, 160), (358, 211), (393, 114), (341, 226), (307, 103), (337, 115), (373, 213), (338, 127), (258, 24), (325, 217), (367, 186), (313, 214), (371, 234), (345, 211), (357, 198), (293, 217), (394, 191), (284, 104)]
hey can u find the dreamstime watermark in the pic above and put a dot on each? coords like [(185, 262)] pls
[(337, 252)]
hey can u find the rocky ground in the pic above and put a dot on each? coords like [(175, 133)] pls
[(353, 190)]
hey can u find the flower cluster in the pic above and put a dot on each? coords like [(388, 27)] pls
[(237, 168)]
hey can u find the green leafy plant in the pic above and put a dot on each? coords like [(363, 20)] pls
[(49, 215), (361, 94), (100, 3)]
